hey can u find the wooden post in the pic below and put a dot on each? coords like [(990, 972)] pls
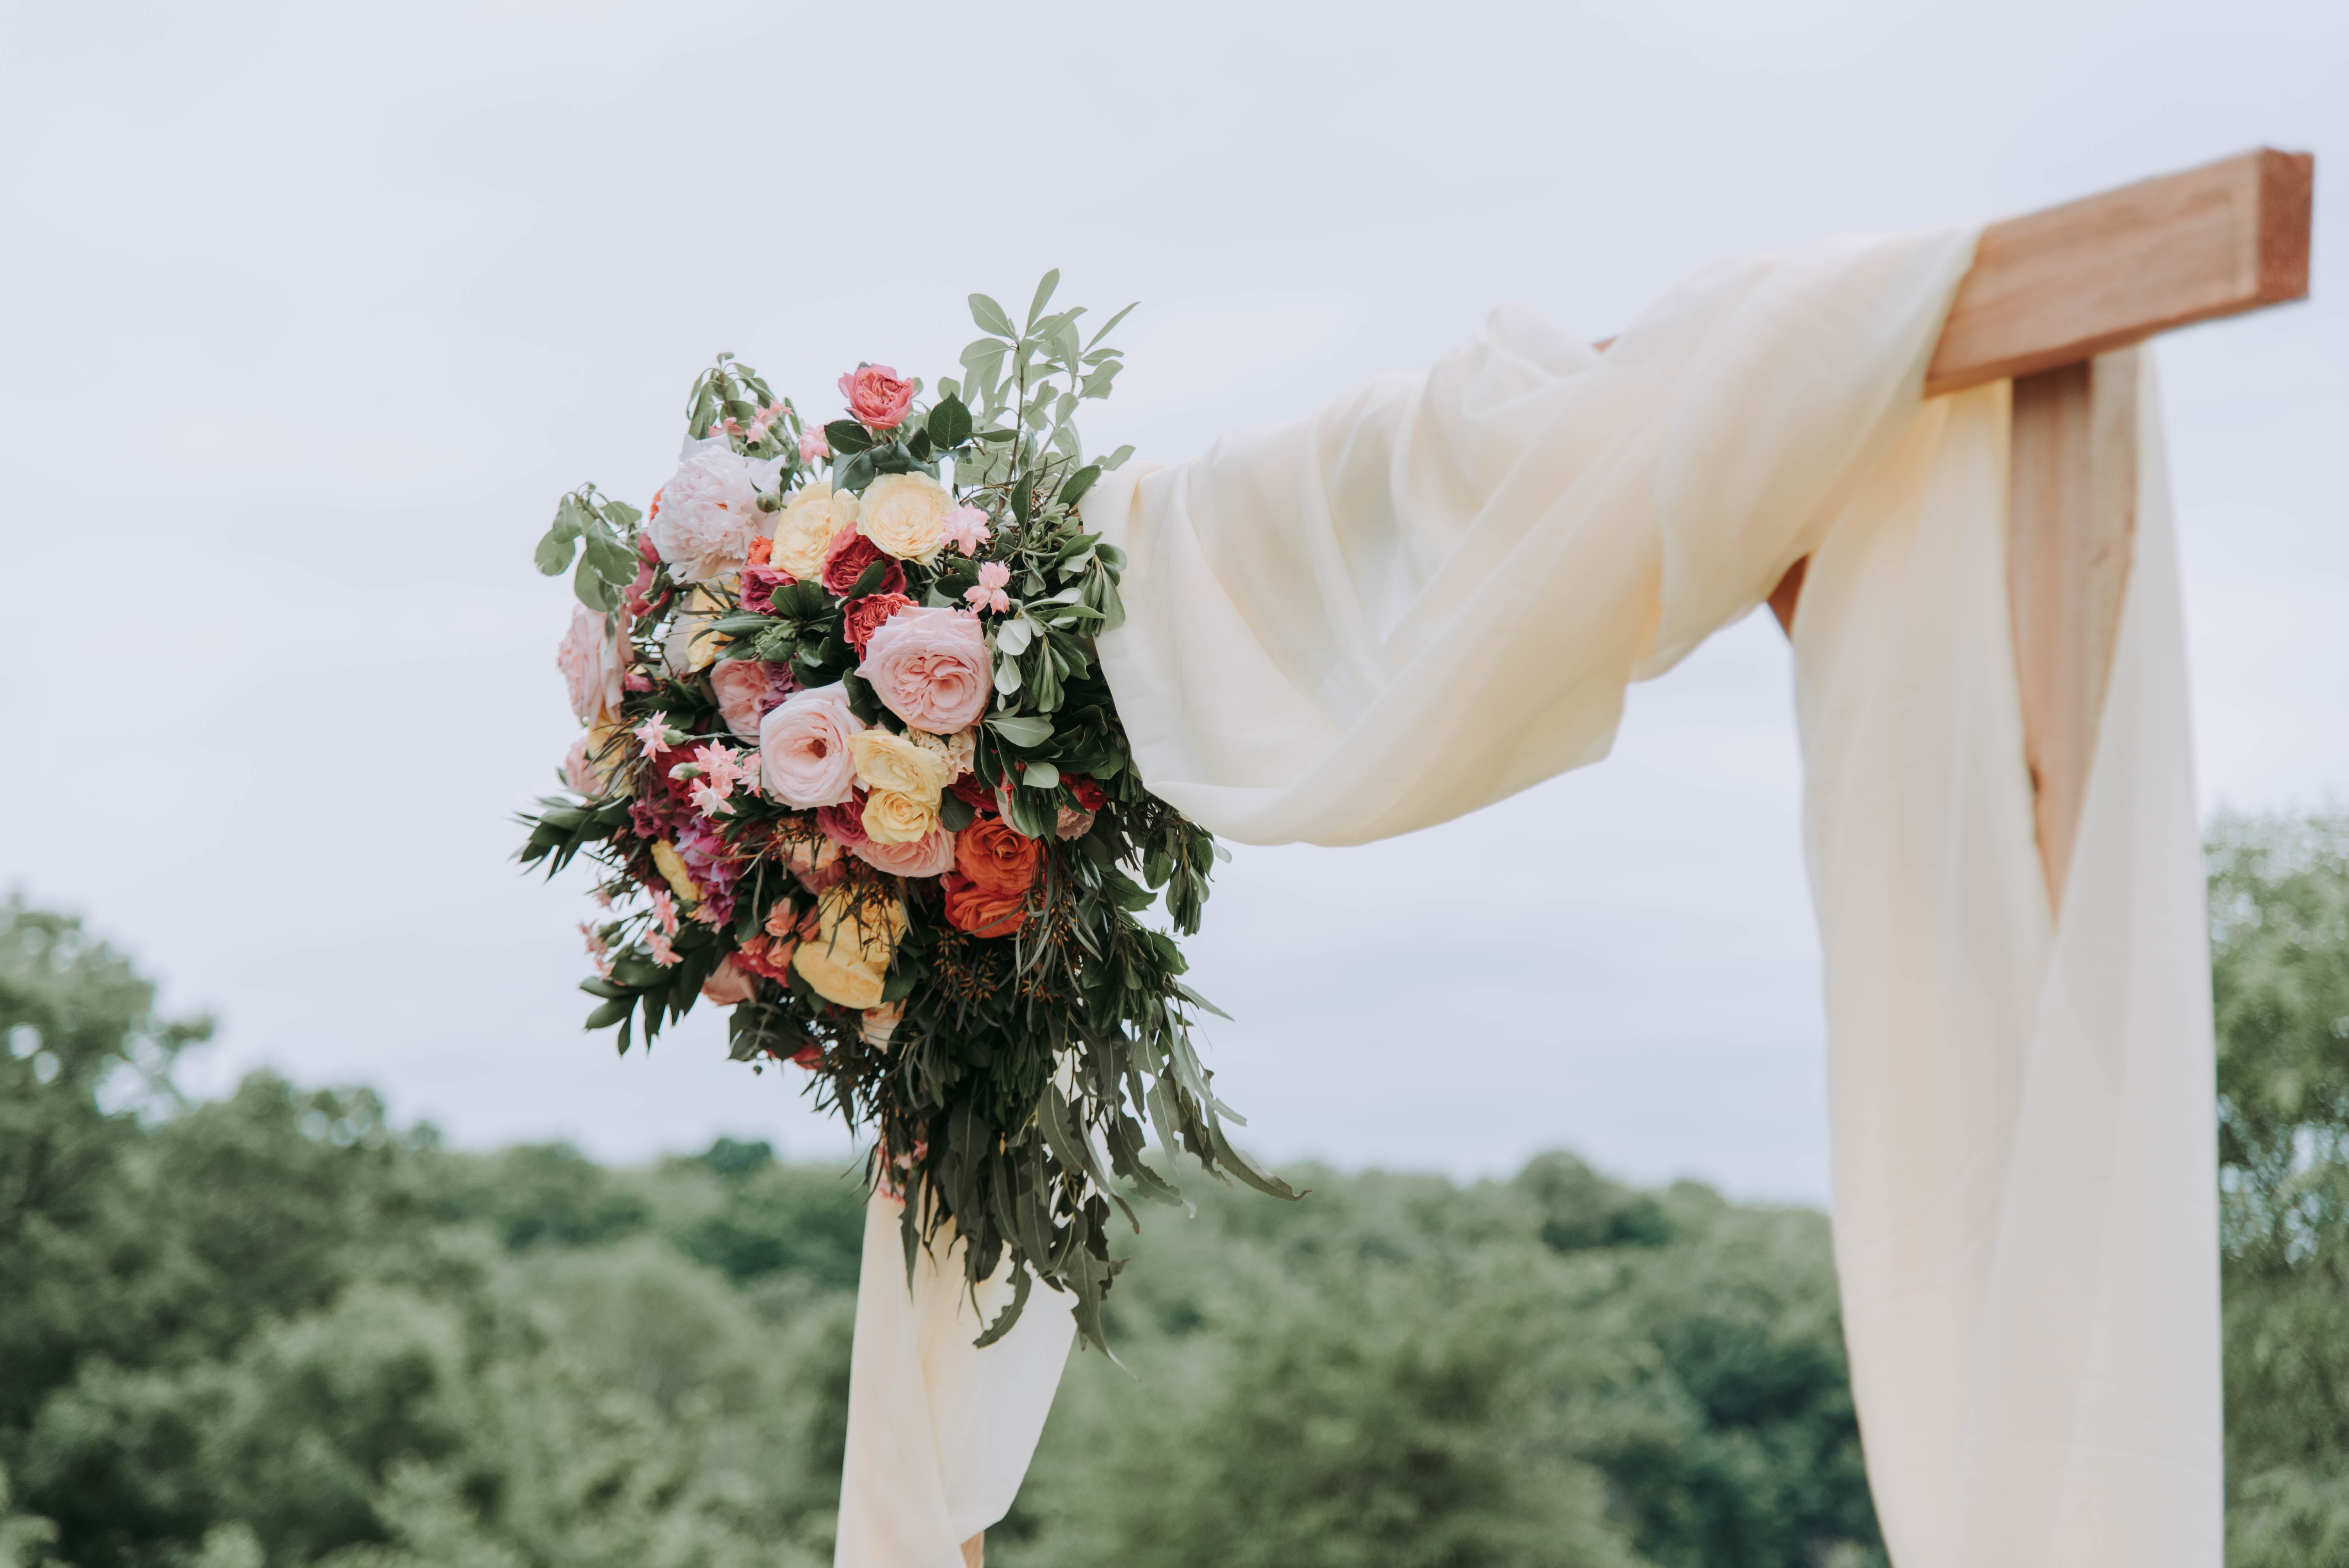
[(2071, 526), (2056, 302)]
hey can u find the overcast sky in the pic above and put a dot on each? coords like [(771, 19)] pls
[(311, 311)]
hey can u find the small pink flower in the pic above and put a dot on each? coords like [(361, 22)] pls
[(664, 910), (812, 444), (663, 953), (653, 734), (721, 767), (708, 799), (990, 594), (596, 950), (876, 397), (966, 528), (764, 420)]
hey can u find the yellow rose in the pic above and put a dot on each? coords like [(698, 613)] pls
[(894, 818), (806, 527), (666, 857), (905, 514), (847, 960), (899, 764)]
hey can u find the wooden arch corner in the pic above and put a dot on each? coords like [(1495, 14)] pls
[(2056, 301)]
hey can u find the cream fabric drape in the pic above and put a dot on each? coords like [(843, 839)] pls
[(939, 1434), (1431, 594)]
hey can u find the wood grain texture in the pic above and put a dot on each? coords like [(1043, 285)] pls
[(2066, 284), (2071, 530)]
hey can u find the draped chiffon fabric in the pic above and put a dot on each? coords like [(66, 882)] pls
[(1431, 594)]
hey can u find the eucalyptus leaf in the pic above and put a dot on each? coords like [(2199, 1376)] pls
[(1021, 730), (1051, 280), (990, 317)]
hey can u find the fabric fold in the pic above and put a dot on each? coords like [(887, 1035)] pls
[(939, 1431), (1433, 594)]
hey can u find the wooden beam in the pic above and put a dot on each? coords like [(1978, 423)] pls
[(2070, 527), (2056, 301), (2066, 284)]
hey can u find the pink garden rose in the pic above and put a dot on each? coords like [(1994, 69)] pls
[(929, 665), (803, 755), (930, 855), (876, 397), (589, 658), (748, 690), (709, 514), (728, 983)]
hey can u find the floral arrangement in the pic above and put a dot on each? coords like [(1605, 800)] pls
[(850, 769)]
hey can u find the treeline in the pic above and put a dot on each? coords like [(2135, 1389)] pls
[(272, 1331)]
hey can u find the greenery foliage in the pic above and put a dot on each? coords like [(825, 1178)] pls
[(2279, 971)]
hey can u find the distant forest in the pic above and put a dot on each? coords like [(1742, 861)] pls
[(273, 1331)]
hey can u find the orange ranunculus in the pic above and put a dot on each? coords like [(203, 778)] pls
[(995, 865)]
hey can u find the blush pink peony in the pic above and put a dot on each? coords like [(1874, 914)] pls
[(930, 855), (590, 661), (804, 759), (709, 514), (748, 690), (876, 397), (929, 665)]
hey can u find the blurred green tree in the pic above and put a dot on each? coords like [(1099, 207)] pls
[(2280, 973)]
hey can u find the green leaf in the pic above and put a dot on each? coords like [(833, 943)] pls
[(613, 561), (950, 423), (847, 436), (1112, 320), (591, 588), (553, 553), (1074, 489), (955, 813), (1023, 498), (1117, 458), (1043, 297), (1040, 775), (1021, 730), (990, 317), (621, 515)]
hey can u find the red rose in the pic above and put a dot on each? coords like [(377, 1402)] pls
[(758, 585), (1090, 795), (973, 793), (860, 618), (845, 562)]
